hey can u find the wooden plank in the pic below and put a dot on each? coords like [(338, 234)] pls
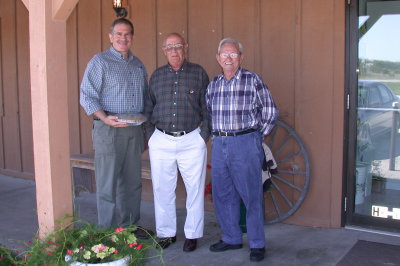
[(241, 22), (85, 161), (82, 170), (1, 94), (24, 89), (73, 85), (171, 17), (107, 17), (89, 32), (205, 32), (11, 129), (278, 36), (143, 17)]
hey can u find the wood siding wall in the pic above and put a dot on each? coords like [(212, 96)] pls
[(16, 145), (297, 46)]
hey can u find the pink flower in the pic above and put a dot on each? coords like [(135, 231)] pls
[(139, 247), (90, 236), (119, 229), (133, 244), (208, 166), (69, 252), (116, 251)]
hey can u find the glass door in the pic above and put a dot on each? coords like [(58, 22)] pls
[(376, 170)]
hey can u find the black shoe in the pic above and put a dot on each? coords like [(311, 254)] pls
[(164, 242), (142, 233), (222, 246), (190, 245), (257, 254)]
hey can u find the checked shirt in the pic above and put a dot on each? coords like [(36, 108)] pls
[(241, 103), (176, 100), (113, 84)]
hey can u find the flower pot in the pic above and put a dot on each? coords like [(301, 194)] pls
[(120, 262)]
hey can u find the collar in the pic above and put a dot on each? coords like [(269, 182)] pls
[(183, 66), (119, 55), (237, 75)]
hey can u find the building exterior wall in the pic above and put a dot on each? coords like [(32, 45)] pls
[(297, 46), (16, 145)]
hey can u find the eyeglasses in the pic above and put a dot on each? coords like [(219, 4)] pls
[(125, 35), (170, 47), (231, 55)]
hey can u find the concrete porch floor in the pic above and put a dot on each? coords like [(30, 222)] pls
[(286, 244)]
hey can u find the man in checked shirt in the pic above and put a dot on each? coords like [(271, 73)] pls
[(114, 83), (177, 130), (242, 113)]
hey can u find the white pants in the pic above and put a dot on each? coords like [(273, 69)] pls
[(189, 154)]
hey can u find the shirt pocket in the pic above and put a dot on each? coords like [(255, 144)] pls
[(192, 96)]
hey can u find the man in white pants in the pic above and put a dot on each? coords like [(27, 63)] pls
[(177, 130)]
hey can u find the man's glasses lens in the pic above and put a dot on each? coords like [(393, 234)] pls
[(231, 55), (170, 47)]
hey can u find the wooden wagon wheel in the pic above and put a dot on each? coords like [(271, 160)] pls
[(289, 186)]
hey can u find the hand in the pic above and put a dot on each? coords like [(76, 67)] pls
[(113, 121)]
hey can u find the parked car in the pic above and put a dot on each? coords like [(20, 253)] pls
[(376, 103)]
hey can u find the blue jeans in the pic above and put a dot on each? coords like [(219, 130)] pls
[(236, 174)]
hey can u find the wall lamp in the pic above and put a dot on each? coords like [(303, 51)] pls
[(119, 10)]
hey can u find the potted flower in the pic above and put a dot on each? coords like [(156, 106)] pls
[(81, 243)]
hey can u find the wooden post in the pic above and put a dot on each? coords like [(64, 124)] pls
[(48, 59)]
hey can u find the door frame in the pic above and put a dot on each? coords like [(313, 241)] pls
[(349, 217)]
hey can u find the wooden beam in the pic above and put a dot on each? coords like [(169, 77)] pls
[(62, 9), (26, 3), (48, 62)]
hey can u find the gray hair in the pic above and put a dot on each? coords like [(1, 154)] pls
[(238, 45)]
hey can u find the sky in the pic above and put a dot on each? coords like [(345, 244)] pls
[(382, 41)]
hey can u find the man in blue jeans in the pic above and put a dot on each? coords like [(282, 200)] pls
[(242, 112)]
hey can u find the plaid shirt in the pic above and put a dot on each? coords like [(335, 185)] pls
[(176, 100), (241, 103), (113, 84)]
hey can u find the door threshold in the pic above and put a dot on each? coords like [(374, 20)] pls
[(375, 231)]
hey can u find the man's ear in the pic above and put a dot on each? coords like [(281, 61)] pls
[(241, 58)]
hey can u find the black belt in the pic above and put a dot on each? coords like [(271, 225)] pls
[(226, 134), (174, 134)]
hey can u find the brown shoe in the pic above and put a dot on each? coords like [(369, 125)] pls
[(164, 242), (190, 245), (142, 233)]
